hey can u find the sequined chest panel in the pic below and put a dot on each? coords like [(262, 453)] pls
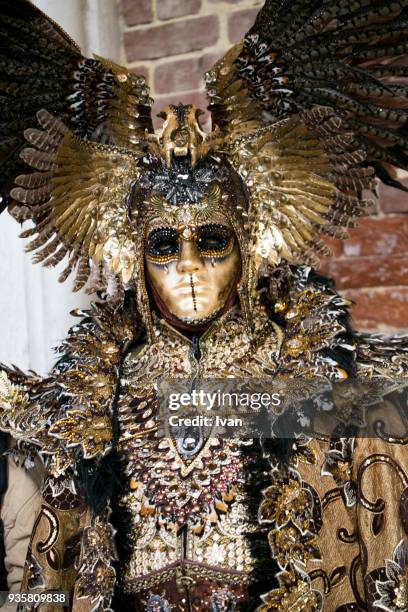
[(191, 518), (191, 522)]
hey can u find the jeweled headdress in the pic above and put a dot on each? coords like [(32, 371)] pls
[(307, 110)]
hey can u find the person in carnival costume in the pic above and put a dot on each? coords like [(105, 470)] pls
[(201, 246)]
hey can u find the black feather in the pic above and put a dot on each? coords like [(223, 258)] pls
[(4, 201), (302, 54), (101, 481)]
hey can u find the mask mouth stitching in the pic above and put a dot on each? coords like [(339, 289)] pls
[(202, 320), (193, 294)]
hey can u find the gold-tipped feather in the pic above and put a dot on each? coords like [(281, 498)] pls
[(82, 195)]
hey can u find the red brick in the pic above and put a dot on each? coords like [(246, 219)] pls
[(384, 308), (240, 22), (354, 272), (171, 38), (184, 75), (168, 9), (136, 12), (335, 245), (378, 236), (179, 75), (323, 267), (393, 200), (375, 236), (142, 70), (209, 59)]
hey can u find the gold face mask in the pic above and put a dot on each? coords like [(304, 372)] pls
[(192, 261), (193, 270)]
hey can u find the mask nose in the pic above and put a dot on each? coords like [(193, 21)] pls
[(189, 260)]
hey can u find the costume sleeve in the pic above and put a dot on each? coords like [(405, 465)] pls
[(380, 472), (54, 548), (70, 550), (67, 417), (338, 526), (19, 507)]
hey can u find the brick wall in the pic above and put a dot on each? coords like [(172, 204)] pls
[(172, 42)]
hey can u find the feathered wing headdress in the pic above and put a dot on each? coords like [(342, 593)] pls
[(83, 148), (313, 105), (308, 109)]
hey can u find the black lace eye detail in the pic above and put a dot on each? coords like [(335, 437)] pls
[(162, 245), (215, 240)]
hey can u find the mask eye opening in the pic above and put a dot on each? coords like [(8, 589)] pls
[(162, 245), (215, 240)]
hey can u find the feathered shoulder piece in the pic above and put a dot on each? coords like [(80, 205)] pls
[(319, 339), (70, 414), (381, 356), (353, 383)]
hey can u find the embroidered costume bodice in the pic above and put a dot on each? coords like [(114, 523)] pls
[(225, 527), (194, 542)]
